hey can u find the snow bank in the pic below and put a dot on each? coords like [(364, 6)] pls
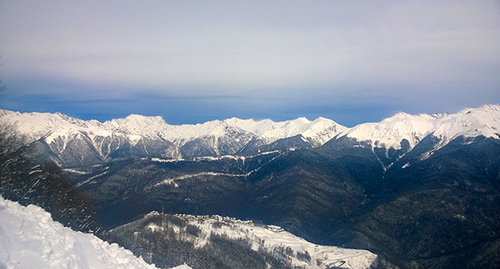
[(29, 238)]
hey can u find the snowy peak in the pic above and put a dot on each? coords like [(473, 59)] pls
[(137, 124), (37, 125), (320, 130), (390, 132), (468, 122), (250, 125)]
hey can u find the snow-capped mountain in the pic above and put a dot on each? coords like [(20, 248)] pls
[(77, 142), (469, 122), (483, 121), (317, 132), (391, 131)]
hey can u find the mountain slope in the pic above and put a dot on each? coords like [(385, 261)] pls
[(222, 242), (393, 137), (440, 212), (30, 239)]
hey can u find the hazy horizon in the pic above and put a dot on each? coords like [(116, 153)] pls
[(191, 62)]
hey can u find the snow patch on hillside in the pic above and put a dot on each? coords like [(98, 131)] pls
[(270, 236)]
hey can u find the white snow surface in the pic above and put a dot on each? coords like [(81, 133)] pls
[(391, 131), (50, 126), (469, 123), (29, 238)]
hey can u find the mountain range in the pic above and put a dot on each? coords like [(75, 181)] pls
[(419, 191), (74, 142)]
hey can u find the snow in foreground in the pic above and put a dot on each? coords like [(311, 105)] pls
[(29, 238)]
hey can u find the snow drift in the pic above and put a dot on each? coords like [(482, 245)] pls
[(29, 238)]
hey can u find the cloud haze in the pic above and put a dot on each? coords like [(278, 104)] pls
[(279, 59)]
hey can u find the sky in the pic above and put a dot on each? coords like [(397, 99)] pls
[(194, 61)]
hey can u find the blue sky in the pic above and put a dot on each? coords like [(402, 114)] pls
[(193, 61)]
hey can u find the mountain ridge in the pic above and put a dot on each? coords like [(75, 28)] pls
[(152, 136)]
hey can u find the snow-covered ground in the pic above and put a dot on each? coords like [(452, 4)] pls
[(29, 238), (272, 237)]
